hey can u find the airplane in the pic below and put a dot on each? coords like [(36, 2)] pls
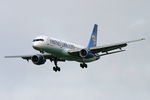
[(60, 51)]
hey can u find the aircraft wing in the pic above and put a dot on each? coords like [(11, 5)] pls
[(29, 57), (107, 47)]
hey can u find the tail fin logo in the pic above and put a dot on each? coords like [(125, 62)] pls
[(94, 39)]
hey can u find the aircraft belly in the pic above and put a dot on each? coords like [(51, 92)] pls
[(63, 54), (58, 52)]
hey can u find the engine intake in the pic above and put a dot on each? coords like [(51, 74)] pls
[(83, 53), (38, 59)]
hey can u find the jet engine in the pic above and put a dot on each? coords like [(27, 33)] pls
[(85, 53), (38, 59)]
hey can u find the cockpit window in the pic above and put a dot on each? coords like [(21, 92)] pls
[(38, 40)]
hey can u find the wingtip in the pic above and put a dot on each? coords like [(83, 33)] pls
[(142, 38), (5, 56)]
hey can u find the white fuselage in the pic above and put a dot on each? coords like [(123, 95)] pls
[(59, 48)]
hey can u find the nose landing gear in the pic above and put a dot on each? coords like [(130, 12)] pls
[(56, 68)]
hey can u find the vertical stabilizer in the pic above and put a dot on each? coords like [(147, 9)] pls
[(93, 39)]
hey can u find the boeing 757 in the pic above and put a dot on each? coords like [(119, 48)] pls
[(57, 50)]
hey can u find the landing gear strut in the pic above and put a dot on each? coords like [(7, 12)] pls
[(83, 65), (56, 68)]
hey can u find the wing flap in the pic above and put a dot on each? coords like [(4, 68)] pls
[(107, 48), (111, 52)]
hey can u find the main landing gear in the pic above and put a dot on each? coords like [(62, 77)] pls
[(56, 68), (83, 65)]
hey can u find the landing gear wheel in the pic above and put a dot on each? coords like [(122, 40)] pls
[(83, 65), (56, 69)]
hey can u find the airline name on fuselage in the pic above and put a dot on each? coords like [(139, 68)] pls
[(62, 44)]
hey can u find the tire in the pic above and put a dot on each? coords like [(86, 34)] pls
[(81, 65), (85, 65), (55, 69), (58, 69)]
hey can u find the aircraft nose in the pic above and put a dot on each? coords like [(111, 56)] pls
[(35, 45)]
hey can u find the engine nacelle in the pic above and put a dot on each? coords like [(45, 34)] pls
[(38, 59), (86, 53)]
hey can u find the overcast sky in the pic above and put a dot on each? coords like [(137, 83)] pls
[(122, 76)]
